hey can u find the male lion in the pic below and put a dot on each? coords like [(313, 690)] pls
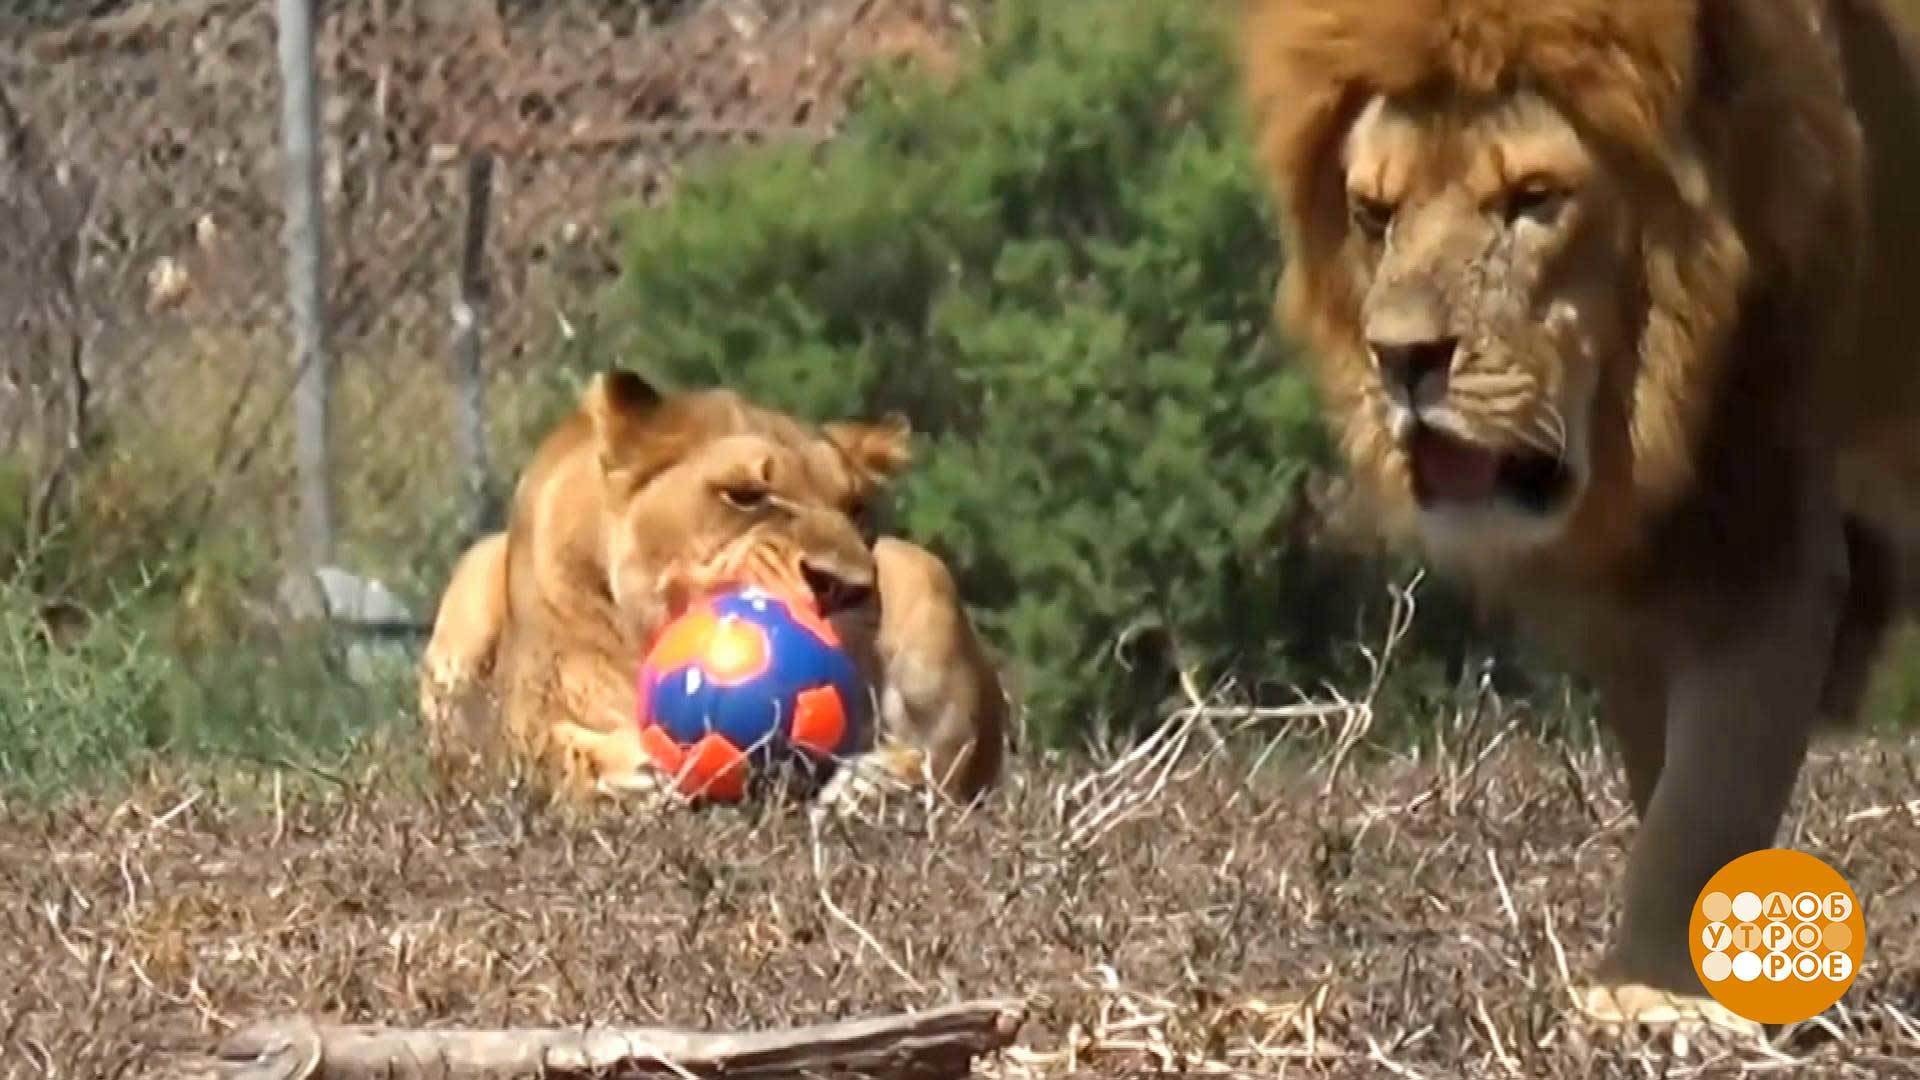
[(636, 503), (1611, 303)]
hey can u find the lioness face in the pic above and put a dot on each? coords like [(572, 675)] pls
[(1491, 255), (705, 490)]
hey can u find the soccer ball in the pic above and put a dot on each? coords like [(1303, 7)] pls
[(747, 686)]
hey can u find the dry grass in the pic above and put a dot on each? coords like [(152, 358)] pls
[(1414, 920)]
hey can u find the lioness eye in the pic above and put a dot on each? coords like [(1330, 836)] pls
[(744, 498), (1371, 216)]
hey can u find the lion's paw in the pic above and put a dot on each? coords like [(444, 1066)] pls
[(1681, 1019)]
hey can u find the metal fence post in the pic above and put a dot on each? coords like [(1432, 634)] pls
[(306, 280), (469, 336)]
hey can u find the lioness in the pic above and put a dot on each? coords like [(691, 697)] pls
[(1611, 303), (636, 503)]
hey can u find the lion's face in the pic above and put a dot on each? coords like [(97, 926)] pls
[(1491, 260), (705, 489)]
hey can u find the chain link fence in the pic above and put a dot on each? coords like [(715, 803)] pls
[(470, 152)]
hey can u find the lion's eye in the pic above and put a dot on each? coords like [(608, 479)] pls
[(1371, 216), (744, 498), (1539, 202)]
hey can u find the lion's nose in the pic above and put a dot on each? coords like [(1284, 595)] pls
[(835, 590), (1417, 369)]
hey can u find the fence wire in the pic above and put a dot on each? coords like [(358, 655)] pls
[(471, 151)]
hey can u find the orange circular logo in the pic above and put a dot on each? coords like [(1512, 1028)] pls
[(1777, 936)]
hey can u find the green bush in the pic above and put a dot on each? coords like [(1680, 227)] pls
[(1061, 268), (119, 686), (75, 712), (1893, 699)]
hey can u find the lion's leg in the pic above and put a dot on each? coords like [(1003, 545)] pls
[(942, 712), (1743, 698), (590, 725), (1873, 590), (460, 656)]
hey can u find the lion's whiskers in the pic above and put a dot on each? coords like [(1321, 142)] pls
[(1553, 425), (1511, 405)]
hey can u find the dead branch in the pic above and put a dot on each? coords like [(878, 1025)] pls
[(936, 1043)]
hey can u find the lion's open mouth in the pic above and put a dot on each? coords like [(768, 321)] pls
[(1447, 470)]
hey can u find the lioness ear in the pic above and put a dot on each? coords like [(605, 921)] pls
[(624, 410), (879, 449)]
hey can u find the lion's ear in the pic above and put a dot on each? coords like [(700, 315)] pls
[(630, 430), (880, 450)]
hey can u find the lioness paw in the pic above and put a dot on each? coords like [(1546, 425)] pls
[(863, 785), (605, 752), (645, 788)]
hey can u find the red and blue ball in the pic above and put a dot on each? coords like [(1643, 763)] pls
[(747, 686)]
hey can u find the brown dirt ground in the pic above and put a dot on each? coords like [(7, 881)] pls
[(154, 922)]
